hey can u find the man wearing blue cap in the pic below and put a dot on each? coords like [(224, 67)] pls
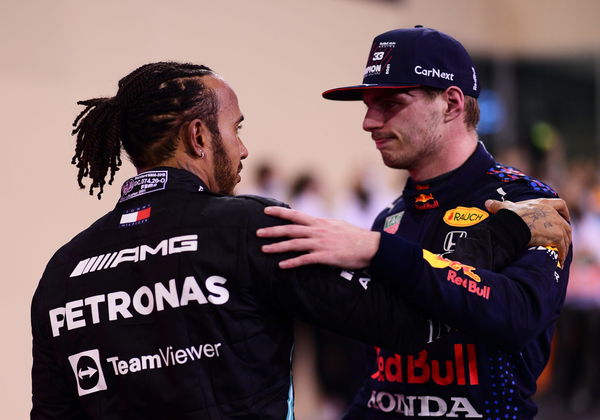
[(420, 88)]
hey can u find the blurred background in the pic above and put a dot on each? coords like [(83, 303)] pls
[(539, 65)]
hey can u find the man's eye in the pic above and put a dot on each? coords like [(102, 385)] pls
[(239, 127)]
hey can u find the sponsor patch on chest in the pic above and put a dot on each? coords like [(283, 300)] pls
[(464, 216), (392, 223)]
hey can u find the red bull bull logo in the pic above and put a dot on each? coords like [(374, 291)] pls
[(470, 280), (423, 198), (426, 202), (437, 261), (461, 369)]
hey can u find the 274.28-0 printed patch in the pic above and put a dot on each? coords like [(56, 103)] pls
[(144, 183)]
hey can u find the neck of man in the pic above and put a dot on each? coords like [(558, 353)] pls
[(182, 160), (452, 151)]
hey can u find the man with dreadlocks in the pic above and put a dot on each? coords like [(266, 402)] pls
[(165, 308)]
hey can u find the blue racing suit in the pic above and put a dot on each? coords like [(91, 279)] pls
[(500, 319)]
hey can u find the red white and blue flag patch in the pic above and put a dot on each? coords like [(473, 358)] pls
[(135, 216)]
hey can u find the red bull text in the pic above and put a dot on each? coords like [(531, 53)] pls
[(419, 370)]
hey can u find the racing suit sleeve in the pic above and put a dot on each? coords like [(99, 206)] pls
[(52, 397), (507, 308), (341, 301), (493, 245)]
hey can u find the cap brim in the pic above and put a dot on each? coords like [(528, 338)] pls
[(355, 93)]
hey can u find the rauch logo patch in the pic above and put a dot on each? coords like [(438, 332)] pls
[(464, 216)]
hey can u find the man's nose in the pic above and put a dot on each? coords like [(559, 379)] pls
[(243, 150), (372, 120)]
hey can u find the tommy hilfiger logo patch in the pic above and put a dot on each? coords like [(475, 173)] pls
[(135, 216)]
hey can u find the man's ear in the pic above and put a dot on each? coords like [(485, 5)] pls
[(455, 103), (194, 137)]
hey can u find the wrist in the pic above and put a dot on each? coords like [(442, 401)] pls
[(372, 246)]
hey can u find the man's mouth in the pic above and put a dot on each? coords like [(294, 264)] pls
[(380, 141), (239, 177)]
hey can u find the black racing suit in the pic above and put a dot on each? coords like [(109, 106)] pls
[(166, 308), (502, 323)]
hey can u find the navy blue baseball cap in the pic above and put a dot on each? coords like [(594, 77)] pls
[(407, 58)]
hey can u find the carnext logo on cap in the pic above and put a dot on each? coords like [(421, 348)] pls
[(434, 73)]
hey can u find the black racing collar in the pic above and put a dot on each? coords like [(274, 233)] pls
[(433, 193), (161, 178)]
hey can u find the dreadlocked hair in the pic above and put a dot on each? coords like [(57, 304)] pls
[(143, 118)]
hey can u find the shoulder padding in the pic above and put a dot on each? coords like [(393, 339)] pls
[(509, 174), (265, 201)]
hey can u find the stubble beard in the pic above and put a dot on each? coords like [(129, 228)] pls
[(225, 173), (417, 147)]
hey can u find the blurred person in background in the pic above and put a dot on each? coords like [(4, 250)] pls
[(576, 368), (267, 181), (570, 385), (306, 194), (363, 199), (165, 308), (420, 89)]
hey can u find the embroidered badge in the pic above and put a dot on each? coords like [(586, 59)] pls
[(392, 223), (135, 216), (426, 202), (464, 216)]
